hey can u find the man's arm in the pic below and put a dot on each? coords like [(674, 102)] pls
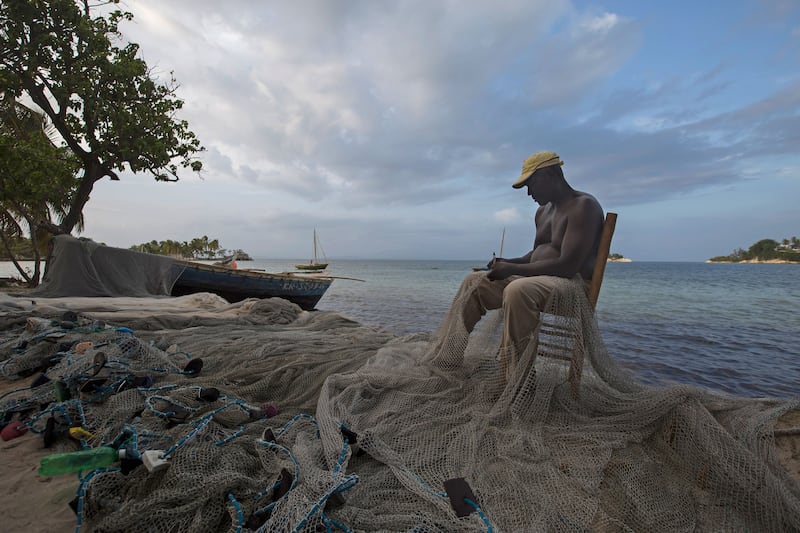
[(583, 227), (517, 260), (539, 239)]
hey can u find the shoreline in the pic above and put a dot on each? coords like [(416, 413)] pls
[(757, 262)]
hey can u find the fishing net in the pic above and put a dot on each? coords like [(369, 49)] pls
[(321, 424)]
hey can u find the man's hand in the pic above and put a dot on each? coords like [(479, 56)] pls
[(493, 261), (501, 270)]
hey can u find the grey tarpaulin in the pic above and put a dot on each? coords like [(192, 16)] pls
[(81, 267)]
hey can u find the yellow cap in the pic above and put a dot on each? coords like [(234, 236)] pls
[(534, 163)]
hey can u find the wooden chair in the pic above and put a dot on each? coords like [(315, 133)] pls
[(602, 257), (558, 338)]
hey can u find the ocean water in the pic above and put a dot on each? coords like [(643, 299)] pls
[(727, 327)]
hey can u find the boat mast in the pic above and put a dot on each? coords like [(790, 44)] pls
[(315, 246)]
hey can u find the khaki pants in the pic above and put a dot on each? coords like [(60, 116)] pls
[(522, 300)]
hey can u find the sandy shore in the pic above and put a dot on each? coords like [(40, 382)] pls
[(31, 502)]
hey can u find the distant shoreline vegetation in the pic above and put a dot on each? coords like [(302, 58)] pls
[(764, 251), (201, 248), (618, 258), (21, 249)]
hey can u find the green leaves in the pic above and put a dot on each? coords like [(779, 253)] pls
[(197, 248), (100, 96), (37, 179)]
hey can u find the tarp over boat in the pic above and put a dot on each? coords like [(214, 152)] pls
[(82, 267)]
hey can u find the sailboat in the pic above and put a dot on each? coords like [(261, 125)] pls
[(479, 268), (313, 264)]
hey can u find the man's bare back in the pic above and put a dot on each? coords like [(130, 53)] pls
[(553, 226)]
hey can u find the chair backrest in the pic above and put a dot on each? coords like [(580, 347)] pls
[(602, 257)]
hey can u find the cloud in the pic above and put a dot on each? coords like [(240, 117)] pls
[(507, 215), (401, 116), (567, 64), (374, 103)]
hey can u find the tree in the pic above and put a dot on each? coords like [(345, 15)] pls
[(105, 104), (36, 179), (763, 249)]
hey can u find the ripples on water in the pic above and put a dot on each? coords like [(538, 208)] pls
[(731, 328)]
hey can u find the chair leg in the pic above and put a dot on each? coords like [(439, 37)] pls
[(576, 369)]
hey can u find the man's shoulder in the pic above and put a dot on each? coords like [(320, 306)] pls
[(586, 203)]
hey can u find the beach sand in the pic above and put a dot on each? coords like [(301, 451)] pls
[(33, 503)]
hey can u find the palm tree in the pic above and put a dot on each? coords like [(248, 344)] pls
[(36, 180)]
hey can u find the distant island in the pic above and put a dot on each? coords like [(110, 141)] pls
[(764, 251), (201, 248), (618, 258)]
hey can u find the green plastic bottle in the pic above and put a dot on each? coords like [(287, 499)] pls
[(91, 459)]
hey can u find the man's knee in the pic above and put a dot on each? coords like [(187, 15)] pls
[(481, 295), (530, 294), (514, 295)]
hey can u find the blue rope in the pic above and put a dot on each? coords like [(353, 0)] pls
[(186, 438), (297, 418), (267, 491), (50, 410), (229, 438), (340, 462), (295, 463), (84, 481), (203, 423), (428, 487), (339, 525), (132, 446), (165, 414), (239, 514), (81, 413), (327, 522), (346, 484), (342, 486), (489, 528)]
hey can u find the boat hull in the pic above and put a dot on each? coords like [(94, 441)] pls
[(314, 266), (237, 285)]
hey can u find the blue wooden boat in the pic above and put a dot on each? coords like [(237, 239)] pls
[(235, 285)]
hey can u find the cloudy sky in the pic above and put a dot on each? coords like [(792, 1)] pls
[(397, 127)]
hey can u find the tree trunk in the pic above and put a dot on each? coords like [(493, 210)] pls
[(93, 172), (37, 257), (7, 246)]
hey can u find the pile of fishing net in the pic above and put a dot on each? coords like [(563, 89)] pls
[(307, 421)]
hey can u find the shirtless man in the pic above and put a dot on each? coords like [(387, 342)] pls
[(568, 227)]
